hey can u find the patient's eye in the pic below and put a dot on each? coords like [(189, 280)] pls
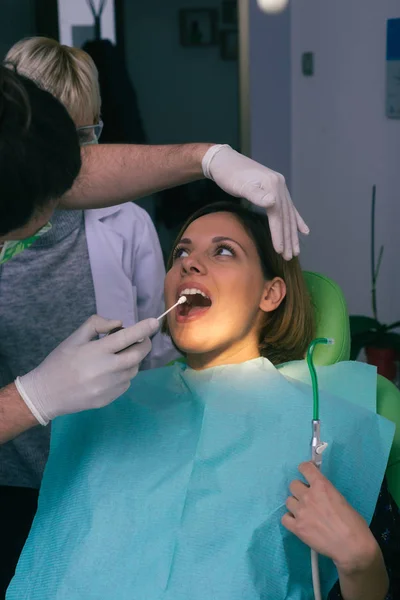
[(180, 252), (224, 250)]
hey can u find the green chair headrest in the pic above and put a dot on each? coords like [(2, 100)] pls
[(332, 318)]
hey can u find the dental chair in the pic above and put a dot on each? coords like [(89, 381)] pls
[(332, 320)]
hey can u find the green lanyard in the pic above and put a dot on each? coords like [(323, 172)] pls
[(12, 248)]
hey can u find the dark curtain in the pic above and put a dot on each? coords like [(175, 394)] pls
[(120, 109)]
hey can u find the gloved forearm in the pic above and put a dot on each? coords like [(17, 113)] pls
[(112, 174), (81, 373)]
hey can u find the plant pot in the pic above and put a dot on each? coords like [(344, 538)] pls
[(384, 359)]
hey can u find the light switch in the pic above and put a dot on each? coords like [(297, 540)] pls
[(307, 63), (393, 69)]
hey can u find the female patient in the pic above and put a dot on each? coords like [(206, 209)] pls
[(180, 490)]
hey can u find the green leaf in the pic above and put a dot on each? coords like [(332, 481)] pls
[(360, 341), (374, 339), (360, 325), (387, 340)]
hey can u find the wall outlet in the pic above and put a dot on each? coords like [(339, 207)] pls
[(307, 63)]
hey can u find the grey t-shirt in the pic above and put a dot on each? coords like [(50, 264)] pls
[(46, 293)]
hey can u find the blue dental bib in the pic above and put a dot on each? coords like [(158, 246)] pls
[(176, 491)]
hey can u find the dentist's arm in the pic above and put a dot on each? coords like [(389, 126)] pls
[(112, 174), (80, 374), (116, 173), (15, 416)]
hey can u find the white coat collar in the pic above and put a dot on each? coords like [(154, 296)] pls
[(111, 263), (99, 214)]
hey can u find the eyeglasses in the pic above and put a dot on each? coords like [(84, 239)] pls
[(90, 134)]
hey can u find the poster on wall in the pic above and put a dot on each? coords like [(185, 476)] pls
[(393, 69)]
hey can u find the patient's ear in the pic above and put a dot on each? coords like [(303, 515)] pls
[(273, 294)]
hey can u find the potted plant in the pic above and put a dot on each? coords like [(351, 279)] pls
[(381, 343)]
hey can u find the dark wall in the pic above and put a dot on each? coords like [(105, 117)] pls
[(17, 20)]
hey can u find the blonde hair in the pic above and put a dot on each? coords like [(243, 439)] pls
[(68, 73)]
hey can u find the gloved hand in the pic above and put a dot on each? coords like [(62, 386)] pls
[(244, 178), (83, 373)]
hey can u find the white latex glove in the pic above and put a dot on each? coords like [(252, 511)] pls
[(83, 373), (242, 177)]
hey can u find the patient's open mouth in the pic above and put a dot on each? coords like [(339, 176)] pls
[(197, 303)]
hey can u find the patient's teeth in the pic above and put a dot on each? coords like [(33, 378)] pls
[(192, 291)]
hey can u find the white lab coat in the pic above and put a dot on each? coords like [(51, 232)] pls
[(128, 271)]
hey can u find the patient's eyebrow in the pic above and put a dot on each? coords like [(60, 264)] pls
[(215, 240), (223, 238)]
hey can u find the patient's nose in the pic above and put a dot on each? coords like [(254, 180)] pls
[(192, 264)]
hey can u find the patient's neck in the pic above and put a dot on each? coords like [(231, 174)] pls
[(232, 355)]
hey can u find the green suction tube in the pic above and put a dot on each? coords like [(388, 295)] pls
[(313, 373)]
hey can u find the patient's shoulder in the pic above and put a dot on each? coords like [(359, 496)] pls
[(355, 382)]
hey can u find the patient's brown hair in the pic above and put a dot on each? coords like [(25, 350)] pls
[(287, 331)]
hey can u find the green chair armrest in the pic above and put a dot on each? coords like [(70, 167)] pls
[(388, 405)]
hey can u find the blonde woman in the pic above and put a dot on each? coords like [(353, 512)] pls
[(106, 261)]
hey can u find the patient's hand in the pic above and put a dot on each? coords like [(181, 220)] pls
[(321, 517)]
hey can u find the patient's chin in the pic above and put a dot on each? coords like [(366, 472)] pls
[(192, 343), (201, 337)]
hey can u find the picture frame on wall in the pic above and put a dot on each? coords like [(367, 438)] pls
[(198, 27), (229, 44), (230, 12)]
